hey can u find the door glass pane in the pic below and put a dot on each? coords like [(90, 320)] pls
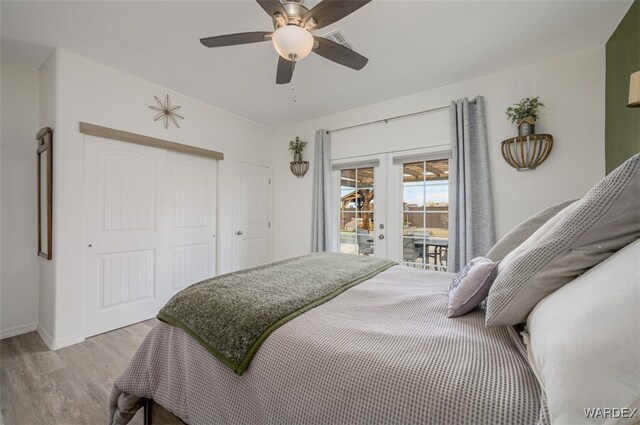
[(425, 214), (364, 178), (365, 233), (413, 187), (413, 224), (356, 211)]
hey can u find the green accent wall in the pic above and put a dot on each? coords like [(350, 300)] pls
[(622, 124)]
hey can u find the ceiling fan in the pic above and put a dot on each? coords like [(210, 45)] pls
[(292, 37)]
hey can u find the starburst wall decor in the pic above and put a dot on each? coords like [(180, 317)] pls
[(166, 112)]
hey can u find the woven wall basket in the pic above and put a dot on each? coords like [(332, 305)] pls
[(527, 152), (299, 168)]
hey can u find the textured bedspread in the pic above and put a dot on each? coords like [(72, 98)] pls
[(231, 315), (381, 352)]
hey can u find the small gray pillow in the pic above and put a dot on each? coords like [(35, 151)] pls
[(604, 221), (522, 231), (471, 285)]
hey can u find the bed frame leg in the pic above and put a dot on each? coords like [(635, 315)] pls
[(147, 403)]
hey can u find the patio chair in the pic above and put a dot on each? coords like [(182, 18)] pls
[(365, 244), (409, 252)]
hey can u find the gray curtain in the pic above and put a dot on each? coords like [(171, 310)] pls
[(471, 229), (321, 230)]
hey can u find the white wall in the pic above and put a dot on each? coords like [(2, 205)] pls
[(571, 86), (46, 269), (19, 263), (94, 93), (72, 89)]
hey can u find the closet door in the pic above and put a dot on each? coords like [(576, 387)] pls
[(150, 222), (191, 219), (125, 241)]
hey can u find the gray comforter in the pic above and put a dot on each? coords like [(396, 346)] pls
[(381, 352)]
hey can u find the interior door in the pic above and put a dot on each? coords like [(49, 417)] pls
[(191, 220), (251, 211), (123, 234)]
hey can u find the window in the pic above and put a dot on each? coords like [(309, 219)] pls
[(425, 214), (356, 211)]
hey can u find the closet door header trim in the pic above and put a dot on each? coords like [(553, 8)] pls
[(139, 139)]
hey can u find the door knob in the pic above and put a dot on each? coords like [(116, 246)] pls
[(239, 233), (381, 237)]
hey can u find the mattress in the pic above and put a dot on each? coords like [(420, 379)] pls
[(381, 352)]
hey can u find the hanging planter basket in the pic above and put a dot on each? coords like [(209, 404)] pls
[(527, 152), (299, 168)]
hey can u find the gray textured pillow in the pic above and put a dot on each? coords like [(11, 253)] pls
[(522, 231), (604, 221), (471, 285)]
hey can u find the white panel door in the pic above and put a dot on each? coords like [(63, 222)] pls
[(149, 229), (251, 212), (123, 234), (191, 207)]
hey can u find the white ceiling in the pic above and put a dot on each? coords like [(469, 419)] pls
[(411, 46)]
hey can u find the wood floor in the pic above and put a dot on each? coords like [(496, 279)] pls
[(70, 385)]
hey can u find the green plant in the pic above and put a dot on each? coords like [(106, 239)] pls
[(524, 111), (297, 145)]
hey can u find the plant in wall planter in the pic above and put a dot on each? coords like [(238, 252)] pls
[(296, 147), (525, 115), (298, 167)]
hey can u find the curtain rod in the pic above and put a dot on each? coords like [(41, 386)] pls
[(397, 117)]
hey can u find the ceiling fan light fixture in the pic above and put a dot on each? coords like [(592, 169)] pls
[(292, 42)]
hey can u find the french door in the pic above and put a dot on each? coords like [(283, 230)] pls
[(361, 207), (425, 214), (394, 206)]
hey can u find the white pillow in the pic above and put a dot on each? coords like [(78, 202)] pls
[(584, 341), (536, 236)]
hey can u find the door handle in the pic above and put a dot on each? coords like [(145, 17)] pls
[(239, 233), (381, 237)]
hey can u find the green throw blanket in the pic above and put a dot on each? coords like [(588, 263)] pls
[(231, 315)]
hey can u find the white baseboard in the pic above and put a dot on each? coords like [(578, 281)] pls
[(45, 336), (18, 330), (56, 344)]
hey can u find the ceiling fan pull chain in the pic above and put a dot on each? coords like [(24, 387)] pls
[(293, 85)]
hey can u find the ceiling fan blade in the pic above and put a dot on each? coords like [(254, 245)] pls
[(327, 12), (233, 39), (335, 52), (285, 70), (272, 7)]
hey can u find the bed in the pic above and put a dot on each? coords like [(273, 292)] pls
[(359, 340), (380, 352)]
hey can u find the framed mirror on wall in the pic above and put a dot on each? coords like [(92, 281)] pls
[(45, 192)]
